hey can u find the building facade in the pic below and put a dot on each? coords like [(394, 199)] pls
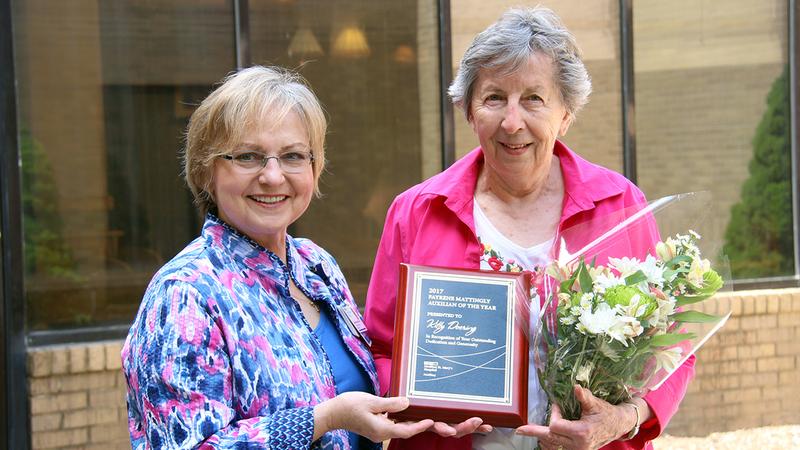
[(688, 96)]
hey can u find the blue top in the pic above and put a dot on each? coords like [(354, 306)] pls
[(347, 374)]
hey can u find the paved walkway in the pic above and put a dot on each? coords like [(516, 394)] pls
[(766, 438)]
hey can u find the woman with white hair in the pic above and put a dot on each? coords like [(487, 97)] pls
[(502, 206), (250, 338)]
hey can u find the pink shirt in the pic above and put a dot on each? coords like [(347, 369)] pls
[(432, 224)]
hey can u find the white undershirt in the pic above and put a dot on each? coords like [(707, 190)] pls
[(528, 259)]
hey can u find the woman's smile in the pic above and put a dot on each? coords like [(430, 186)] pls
[(268, 199), (515, 149)]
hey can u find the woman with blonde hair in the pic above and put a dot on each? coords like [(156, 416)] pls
[(249, 337)]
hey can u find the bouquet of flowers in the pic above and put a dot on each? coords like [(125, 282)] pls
[(619, 329)]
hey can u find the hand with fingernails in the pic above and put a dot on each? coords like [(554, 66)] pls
[(469, 426), (600, 423), (365, 415)]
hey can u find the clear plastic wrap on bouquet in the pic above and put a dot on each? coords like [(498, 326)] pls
[(628, 299)]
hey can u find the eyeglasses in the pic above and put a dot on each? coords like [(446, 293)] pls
[(252, 162)]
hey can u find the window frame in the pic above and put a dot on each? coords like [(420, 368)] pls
[(13, 349), (794, 127)]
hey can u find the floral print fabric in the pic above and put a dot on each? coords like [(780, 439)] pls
[(496, 261), (220, 356)]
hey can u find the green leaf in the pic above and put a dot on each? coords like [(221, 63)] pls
[(666, 340), (712, 282), (630, 351), (679, 259), (635, 278), (682, 300), (694, 317), (566, 285), (608, 351), (585, 279)]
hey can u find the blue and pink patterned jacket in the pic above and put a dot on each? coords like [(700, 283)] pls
[(221, 357)]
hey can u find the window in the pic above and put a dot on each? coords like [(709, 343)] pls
[(104, 93), (375, 67), (712, 113)]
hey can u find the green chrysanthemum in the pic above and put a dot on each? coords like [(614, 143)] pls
[(623, 295)]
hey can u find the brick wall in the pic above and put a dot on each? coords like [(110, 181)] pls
[(78, 397), (748, 375)]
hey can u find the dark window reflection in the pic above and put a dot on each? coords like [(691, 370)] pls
[(105, 92), (374, 66)]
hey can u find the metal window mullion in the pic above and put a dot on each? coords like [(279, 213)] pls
[(794, 126), (445, 76), (241, 29), (14, 411), (628, 97)]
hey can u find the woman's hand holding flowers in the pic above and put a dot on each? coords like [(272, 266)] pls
[(618, 329), (600, 423)]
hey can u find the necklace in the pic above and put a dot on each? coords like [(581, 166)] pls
[(313, 304), (298, 294)]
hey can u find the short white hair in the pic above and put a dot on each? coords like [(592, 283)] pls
[(510, 42)]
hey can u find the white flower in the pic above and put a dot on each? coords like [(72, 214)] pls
[(587, 300), (585, 372), (595, 271), (599, 321), (635, 308), (653, 271), (669, 358), (617, 332), (696, 271), (625, 266), (660, 316), (666, 250), (625, 328), (568, 320), (606, 281), (687, 245), (559, 271), (632, 327)]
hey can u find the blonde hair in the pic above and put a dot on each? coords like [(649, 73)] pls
[(244, 99)]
